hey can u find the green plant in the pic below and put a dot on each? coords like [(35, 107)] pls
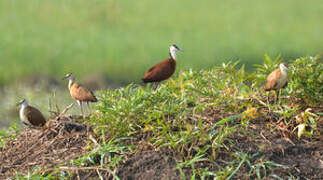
[(190, 163), (307, 80), (269, 65), (6, 135), (260, 168), (306, 119)]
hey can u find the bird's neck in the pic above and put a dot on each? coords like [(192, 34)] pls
[(283, 71), (70, 82), (172, 54), (24, 106)]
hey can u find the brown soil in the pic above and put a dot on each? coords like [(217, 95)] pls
[(149, 165)]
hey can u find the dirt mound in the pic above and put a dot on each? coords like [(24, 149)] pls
[(267, 140), (60, 140), (299, 158), (149, 165)]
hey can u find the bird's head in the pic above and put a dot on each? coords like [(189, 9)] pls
[(174, 47), (283, 66), (172, 50), (23, 101), (68, 76)]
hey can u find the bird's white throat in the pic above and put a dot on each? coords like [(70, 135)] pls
[(172, 52), (283, 69), (24, 105), (70, 82)]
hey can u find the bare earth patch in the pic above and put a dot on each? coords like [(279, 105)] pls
[(149, 165)]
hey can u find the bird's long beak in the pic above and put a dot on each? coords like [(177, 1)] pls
[(180, 49), (19, 103), (64, 78)]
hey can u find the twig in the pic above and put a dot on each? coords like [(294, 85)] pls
[(55, 100), (289, 140), (49, 105), (93, 140), (54, 112), (78, 175), (261, 134), (261, 102), (66, 109), (97, 171), (66, 168)]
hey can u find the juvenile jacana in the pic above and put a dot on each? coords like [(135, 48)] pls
[(164, 69), (79, 92), (29, 115), (277, 79)]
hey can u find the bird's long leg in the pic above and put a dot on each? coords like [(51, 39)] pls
[(88, 106), (276, 96), (278, 99), (81, 107), (82, 110), (155, 85)]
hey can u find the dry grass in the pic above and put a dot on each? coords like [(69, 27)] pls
[(61, 139)]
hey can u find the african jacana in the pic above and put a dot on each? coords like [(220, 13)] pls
[(79, 93), (29, 115), (164, 69), (277, 79)]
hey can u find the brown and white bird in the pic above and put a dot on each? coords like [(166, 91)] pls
[(164, 69), (79, 92), (277, 79), (29, 115)]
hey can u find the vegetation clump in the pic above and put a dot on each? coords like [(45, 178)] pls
[(215, 123)]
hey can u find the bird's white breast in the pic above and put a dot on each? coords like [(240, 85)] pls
[(23, 118), (283, 79)]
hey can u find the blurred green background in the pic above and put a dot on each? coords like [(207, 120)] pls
[(115, 41), (122, 38)]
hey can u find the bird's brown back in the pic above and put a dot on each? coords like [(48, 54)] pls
[(160, 71), (272, 80), (34, 116), (81, 93)]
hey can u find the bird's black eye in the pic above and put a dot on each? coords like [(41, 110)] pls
[(177, 47)]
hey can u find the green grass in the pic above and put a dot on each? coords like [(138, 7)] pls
[(121, 39), (176, 117)]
